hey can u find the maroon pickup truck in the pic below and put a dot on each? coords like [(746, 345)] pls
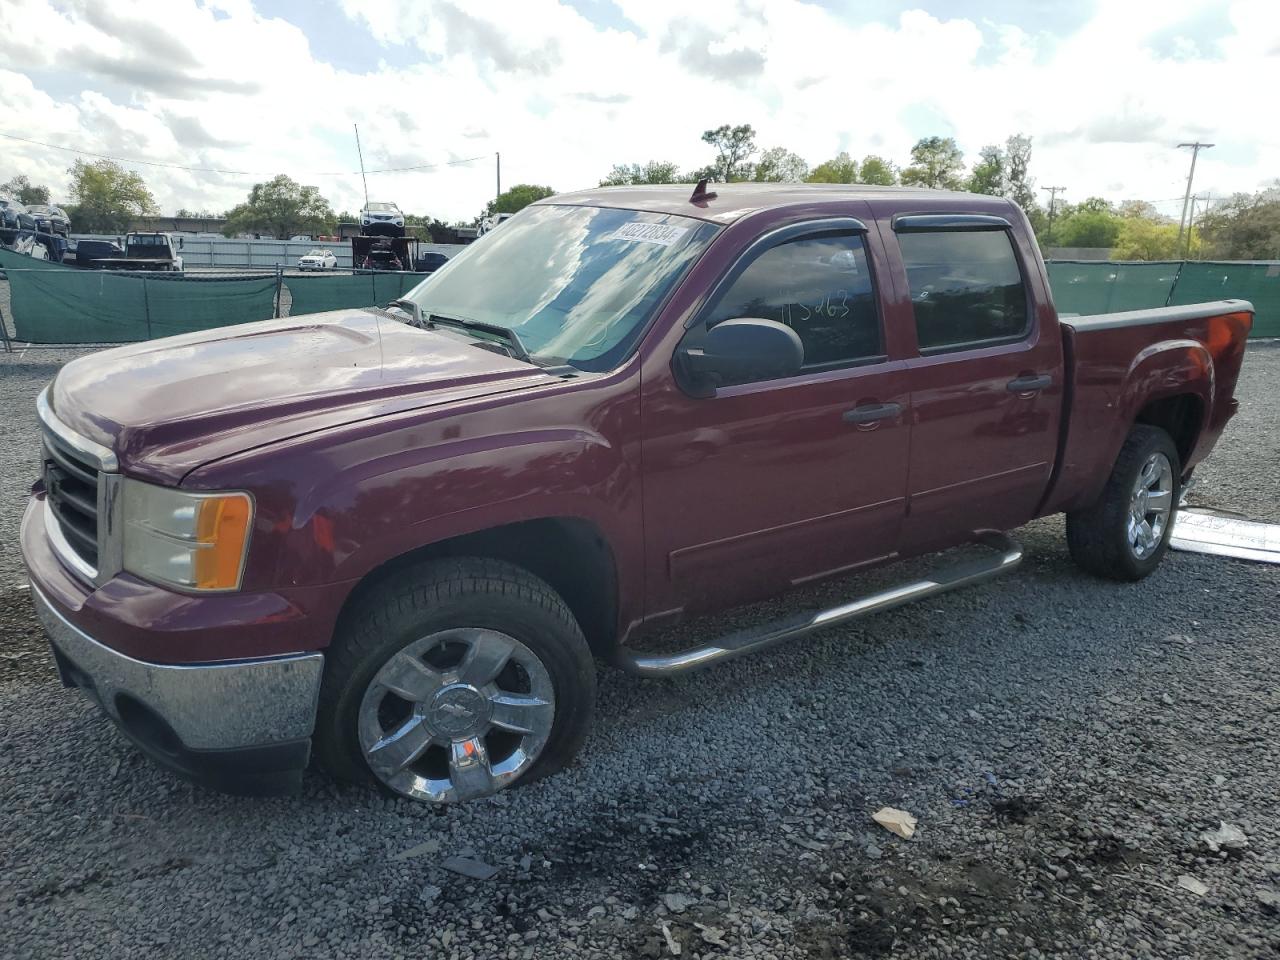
[(401, 536)]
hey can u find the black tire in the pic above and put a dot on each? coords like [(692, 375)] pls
[(443, 595), (1097, 536)]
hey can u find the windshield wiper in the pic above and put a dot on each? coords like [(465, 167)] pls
[(514, 346), (517, 348)]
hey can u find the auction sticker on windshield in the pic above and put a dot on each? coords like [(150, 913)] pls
[(639, 232)]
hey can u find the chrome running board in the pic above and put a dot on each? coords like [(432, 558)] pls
[(1008, 554)]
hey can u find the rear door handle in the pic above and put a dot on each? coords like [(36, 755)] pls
[(872, 412), (1030, 384)]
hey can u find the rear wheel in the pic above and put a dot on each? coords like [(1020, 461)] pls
[(1125, 534), (455, 680)]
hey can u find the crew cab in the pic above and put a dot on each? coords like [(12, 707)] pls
[(402, 537)]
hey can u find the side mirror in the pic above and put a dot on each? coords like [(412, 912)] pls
[(739, 351), (179, 243)]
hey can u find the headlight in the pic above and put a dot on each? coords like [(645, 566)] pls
[(197, 541)]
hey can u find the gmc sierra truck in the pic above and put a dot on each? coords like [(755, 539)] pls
[(402, 537)]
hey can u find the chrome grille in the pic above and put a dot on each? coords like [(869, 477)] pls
[(82, 499), (71, 491)]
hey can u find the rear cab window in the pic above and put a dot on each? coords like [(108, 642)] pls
[(966, 284)]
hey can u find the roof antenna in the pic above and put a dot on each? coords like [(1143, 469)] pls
[(700, 196)]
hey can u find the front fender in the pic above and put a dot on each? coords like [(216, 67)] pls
[(356, 519)]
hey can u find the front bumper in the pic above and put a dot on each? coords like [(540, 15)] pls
[(243, 726)]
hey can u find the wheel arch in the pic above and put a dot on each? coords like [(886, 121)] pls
[(1181, 415), (570, 553)]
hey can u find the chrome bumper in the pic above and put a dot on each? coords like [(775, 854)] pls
[(213, 706)]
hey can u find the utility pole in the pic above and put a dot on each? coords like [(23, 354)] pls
[(360, 153), (1196, 147), (1191, 220), (1053, 200), (498, 161)]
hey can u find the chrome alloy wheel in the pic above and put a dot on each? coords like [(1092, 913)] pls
[(456, 715), (1150, 505)]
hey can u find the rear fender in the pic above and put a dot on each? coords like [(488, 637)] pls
[(1099, 424), (1170, 368)]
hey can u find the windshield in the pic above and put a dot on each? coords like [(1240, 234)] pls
[(38, 208), (315, 253), (577, 284), (382, 207)]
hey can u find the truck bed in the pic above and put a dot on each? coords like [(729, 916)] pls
[(1179, 370)]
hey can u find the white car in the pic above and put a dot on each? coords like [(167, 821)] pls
[(318, 260), (381, 219)]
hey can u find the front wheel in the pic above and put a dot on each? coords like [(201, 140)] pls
[(1125, 534), (455, 680)]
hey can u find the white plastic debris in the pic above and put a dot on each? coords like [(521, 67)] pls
[(896, 821), (1203, 531), (1227, 837), (1188, 882)]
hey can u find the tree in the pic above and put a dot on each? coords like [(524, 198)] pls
[(105, 197), (841, 169), (936, 162), (1087, 225), (1002, 172), (989, 173), (1141, 210), (877, 170), (516, 199), (655, 171), (1142, 239), (734, 147), (281, 207), (1243, 227), (24, 191), (1018, 186), (780, 165)]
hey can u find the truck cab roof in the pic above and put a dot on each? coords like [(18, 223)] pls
[(725, 203)]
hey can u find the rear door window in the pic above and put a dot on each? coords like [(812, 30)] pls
[(966, 287)]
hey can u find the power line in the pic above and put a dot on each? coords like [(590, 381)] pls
[(238, 173)]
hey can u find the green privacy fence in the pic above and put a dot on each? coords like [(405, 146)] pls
[(10, 259), (54, 304), (317, 294), (1258, 283), (97, 306), (1092, 287)]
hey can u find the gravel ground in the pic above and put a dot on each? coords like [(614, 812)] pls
[(1063, 741)]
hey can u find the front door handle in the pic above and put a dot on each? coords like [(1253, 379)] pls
[(1030, 383), (872, 412)]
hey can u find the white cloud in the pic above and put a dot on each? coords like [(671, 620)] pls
[(220, 85)]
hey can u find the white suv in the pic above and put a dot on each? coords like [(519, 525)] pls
[(381, 219)]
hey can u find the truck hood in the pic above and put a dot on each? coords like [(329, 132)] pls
[(168, 406)]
